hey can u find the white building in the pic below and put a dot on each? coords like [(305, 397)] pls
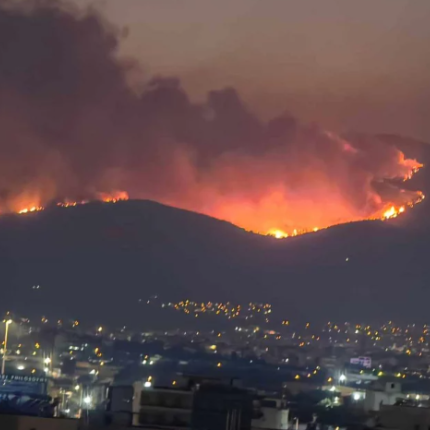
[(382, 393)]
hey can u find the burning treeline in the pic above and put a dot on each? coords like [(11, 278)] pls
[(72, 129)]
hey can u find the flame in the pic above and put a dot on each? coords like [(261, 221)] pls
[(114, 197), (388, 212), (278, 234), (392, 212), (67, 203), (31, 209), (268, 215)]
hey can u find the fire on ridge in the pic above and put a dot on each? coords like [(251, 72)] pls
[(388, 212), (215, 156), (392, 212), (385, 210), (114, 197)]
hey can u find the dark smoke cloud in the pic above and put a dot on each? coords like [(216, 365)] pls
[(71, 127)]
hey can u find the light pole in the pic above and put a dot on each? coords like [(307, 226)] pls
[(7, 323)]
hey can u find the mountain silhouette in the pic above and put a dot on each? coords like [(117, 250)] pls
[(100, 262)]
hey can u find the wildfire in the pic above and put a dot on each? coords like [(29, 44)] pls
[(278, 234), (105, 197), (268, 213), (31, 209), (414, 169), (275, 176), (392, 212), (389, 211), (114, 197), (67, 204)]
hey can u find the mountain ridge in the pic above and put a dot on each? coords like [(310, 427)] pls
[(96, 261)]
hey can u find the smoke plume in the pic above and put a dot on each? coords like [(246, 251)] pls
[(72, 128)]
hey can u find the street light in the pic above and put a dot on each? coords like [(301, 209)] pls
[(7, 323), (87, 400)]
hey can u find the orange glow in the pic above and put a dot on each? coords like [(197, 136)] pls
[(67, 204), (31, 209), (387, 213), (278, 234), (334, 211), (315, 201), (114, 197), (241, 218), (105, 197), (390, 213), (282, 198)]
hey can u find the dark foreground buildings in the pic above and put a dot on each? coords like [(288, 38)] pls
[(200, 405)]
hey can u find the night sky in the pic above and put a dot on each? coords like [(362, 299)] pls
[(359, 65)]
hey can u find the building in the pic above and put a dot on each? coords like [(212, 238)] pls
[(15, 383), (218, 406), (123, 405), (199, 404), (272, 414), (382, 393), (165, 407)]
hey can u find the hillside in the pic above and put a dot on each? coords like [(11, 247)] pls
[(95, 261)]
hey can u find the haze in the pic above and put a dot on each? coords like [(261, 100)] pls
[(360, 65)]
